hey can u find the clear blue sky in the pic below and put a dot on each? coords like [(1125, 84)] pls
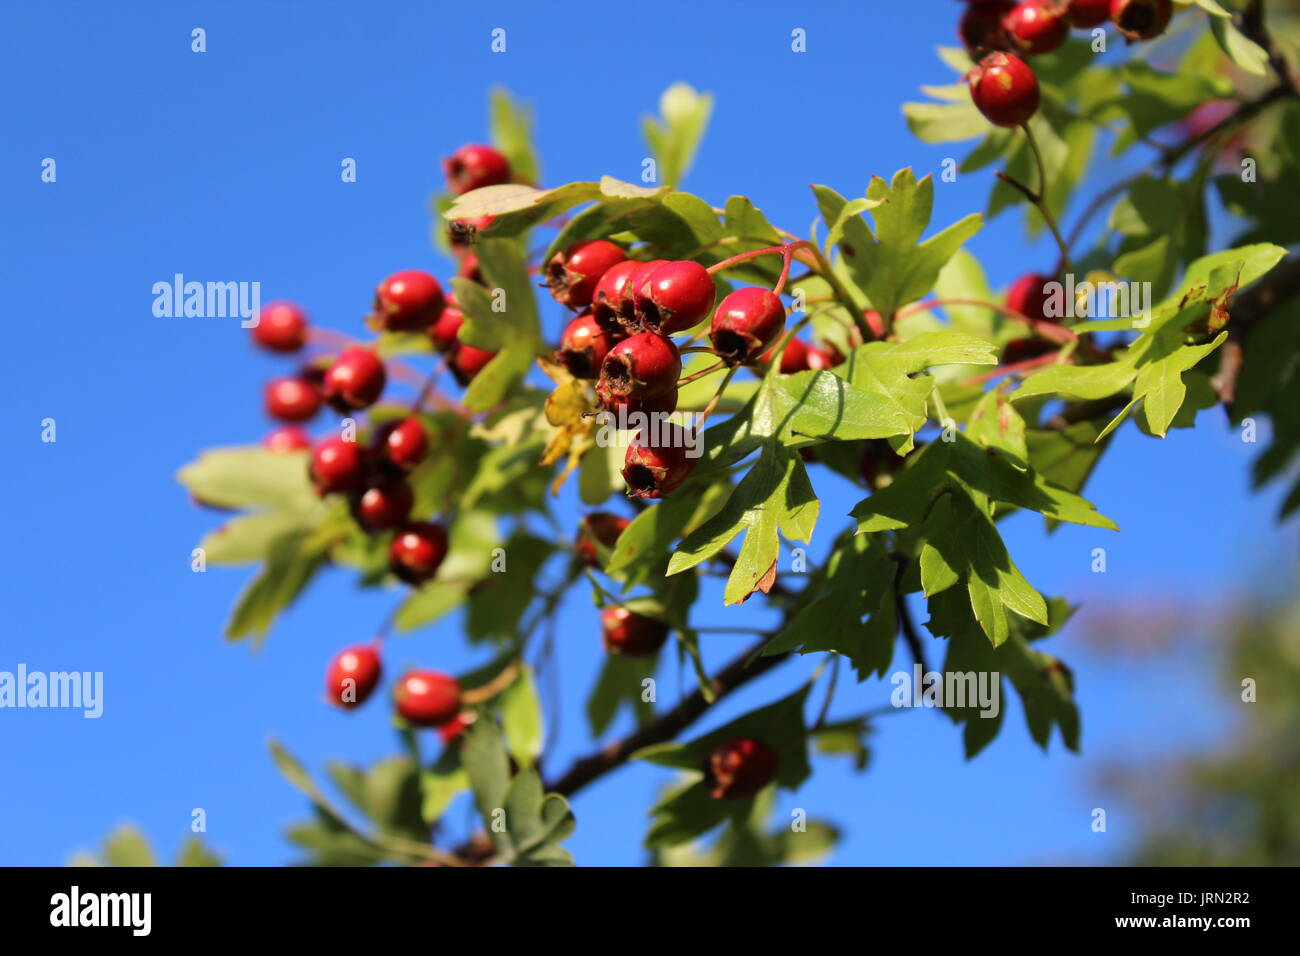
[(225, 166)]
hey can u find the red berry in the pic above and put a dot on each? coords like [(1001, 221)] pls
[(641, 366), (453, 728), (739, 768), (445, 331), (408, 301), (469, 268), (384, 506), (404, 443), (355, 380), (1036, 27), (292, 399), (281, 327), (353, 675), (664, 404), (600, 526), (982, 30), (1004, 89), (610, 290), (338, 465), (1026, 348), (793, 359), (286, 438), (652, 469), (467, 361), (474, 166), (464, 232), (637, 278), (674, 297), (1088, 13), (1141, 19), (417, 551), (427, 698), (573, 272), (631, 634), (585, 344), (746, 323), (1029, 296)]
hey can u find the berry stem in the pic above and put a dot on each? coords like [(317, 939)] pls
[(1049, 359), (713, 402), (1039, 199), (699, 375), (495, 686), (1047, 330)]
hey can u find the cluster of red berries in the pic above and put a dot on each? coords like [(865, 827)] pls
[(998, 33), (423, 698)]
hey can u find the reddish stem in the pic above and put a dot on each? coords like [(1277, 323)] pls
[(1011, 369)]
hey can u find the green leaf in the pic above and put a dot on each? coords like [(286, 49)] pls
[(675, 136), (500, 598), (483, 755), (619, 685), (392, 798), (521, 718), (248, 477), (292, 562), (471, 539), (127, 846), (511, 127), (1243, 51)]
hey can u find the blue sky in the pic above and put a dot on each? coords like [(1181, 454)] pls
[(225, 166)]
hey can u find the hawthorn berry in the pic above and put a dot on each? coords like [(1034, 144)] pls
[(384, 506), (445, 331), (467, 361), (610, 289), (355, 380), (404, 443), (630, 634), (584, 345), (602, 527), (1029, 296), (408, 301), (1088, 13), (1004, 89), (982, 29), (281, 327), (453, 728), (286, 438), (654, 469), (417, 551), (292, 399), (626, 310), (674, 297), (338, 465), (641, 366), (664, 404), (474, 166), (793, 359), (1037, 27), (427, 698), (746, 323), (573, 272), (352, 675), (1141, 19), (739, 768), (1026, 348)]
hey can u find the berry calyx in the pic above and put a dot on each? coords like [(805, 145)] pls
[(746, 323), (446, 330), (1036, 27), (286, 438), (674, 297), (427, 698), (573, 272), (1087, 13), (403, 443), (474, 166), (739, 768), (1029, 296), (641, 366), (292, 399), (584, 345), (408, 301), (654, 469), (1004, 89), (637, 278), (384, 506), (664, 404), (602, 527), (464, 232), (417, 551), (1141, 19), (630, 634), (467, 361), (352, 675), (355, 380), (337, 466), (281, 327), (610, 289)]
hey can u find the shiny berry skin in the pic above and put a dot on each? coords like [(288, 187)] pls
[(746, 323), (445, 331), (1088, 13), (467, 361), (1029, 295), (474, 166), (739, 768), (637, 278), (355, 380), (1036, 27), (982, 29), (573, 272), (585, 344), (285, 439), (404, 443), (281, 327), (1141, 19), (653, 470), (384, 506), (338, 465), (408, 301), (417, 551), (1004, 89), (427, 698), (353, 675), (610, 290), (630, 634), (453, 728), (793, 359), (641, 366), (464, 232), (674, 297), (600, 526), (292, 399)]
